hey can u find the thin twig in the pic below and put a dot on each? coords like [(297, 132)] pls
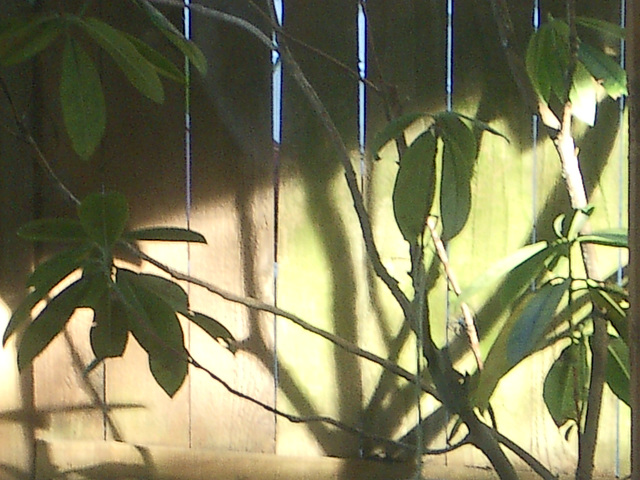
[(470, 325), (265, 307)]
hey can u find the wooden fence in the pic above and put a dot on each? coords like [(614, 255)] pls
[(281, 228)]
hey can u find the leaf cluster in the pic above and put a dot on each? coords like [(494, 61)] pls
[(81, 94), (84, 275)]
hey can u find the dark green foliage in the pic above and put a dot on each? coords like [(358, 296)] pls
[(122, 301)]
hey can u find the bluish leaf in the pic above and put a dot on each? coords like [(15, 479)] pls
[(533, 320)]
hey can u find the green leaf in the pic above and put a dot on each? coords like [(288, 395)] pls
[(161, 63), (214, 329), (583, 96), (165, 234), (104, 216), (536, 66), (394, 129), (175, 36), (109, 332), (414, 188), (602, 26), (133, 64), (83, 106), (532, 321), (22, 39), (479, 124), (618, 370), (458, 158), (566, 385), (157, 329), (520, 335), (49, 323), (535, 253), (21, 315), (610, 308), (604, 69), (611, 238), (51, 272), (63, 230), (170, 292)]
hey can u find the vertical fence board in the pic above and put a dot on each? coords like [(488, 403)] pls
[(318, 241), (233, 207)]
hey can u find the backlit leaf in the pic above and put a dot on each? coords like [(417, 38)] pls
[(604, 69), (394, 129), (175, 36), (161, 63), (82, 100), (414, 188), (612, 238), (583, 96), (458, 159), (133, 64)]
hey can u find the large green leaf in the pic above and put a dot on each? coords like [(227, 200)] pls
[(171, 293), (394, 129), (157, 329), (49, 323), (533, 320), (133, 64), (522, 334), (618, 369), (175, 36), (414, 188), (547, 59), (104, 216), (604, 69), (83, 106), (165, 234), (22, 38), (62, 230), (110, 330), (566, 384), (458, 159)]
